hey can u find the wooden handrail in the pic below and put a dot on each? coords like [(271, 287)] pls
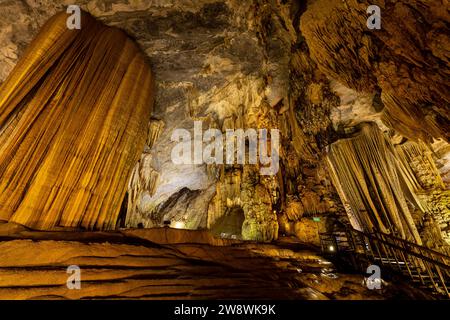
[(410, 244), (422, 263)]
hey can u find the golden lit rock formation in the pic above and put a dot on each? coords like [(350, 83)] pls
[(394, 189), (407, 60), (73, 119), (366, 171), (357, 111)]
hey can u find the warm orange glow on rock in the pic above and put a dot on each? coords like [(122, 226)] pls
[(73, 121)]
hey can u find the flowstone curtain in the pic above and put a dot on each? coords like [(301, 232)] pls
[(73, 123), (374, 183)]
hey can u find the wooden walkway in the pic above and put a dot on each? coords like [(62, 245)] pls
[(426, 268)]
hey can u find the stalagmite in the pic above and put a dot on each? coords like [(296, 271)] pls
[(73, 121), (367, 173)]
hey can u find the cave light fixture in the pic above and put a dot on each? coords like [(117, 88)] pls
[(179, 225)]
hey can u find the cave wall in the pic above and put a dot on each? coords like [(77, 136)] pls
[(406, 60), (230, 65), (309, 68), (395, 77)]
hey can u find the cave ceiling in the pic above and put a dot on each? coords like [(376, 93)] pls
[(298, 66), (349, 108)]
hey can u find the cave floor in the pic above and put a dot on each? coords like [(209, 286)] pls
[(172, 264)]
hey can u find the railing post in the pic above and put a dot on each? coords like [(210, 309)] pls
[(435, 264)]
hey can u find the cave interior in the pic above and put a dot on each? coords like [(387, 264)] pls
[(225, 149)]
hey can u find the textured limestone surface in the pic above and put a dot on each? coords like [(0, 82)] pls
[(406, 61), (73, 119), (309, 68), (226, 63), (113, 270)]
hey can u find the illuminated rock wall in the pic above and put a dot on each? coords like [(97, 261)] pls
[(214, 61), (405, 60), (312, 69), (73, 119)]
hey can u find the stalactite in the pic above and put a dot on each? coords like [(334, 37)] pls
[(401, 61), (228, 195), (144, 177), (73, 117), (155, 128), (429, 190), (243, 187), (418, 157), (354, 218), (299, 141), (368, 175)]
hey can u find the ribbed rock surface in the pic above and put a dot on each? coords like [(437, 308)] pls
[(73, 119), (370, 178), (310, 68), (38, 270), (407, 60)]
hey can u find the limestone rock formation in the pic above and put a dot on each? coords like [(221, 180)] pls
[(312, 69), (88, 177), (369, 177), (73, 119), (407, 61), (181, 271), (231, 65)]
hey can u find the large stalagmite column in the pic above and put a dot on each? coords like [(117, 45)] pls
[(73, 123)]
